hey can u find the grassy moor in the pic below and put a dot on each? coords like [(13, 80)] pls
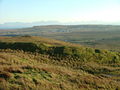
[(37, 63)]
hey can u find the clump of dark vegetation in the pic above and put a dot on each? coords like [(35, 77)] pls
[(20, 46), (5, 75), (80, 53)]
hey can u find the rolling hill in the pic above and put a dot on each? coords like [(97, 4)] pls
[(95, 36), (37, 63)]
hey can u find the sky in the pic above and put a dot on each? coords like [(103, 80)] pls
[(84, 11)]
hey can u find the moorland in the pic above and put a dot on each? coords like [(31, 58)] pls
[(37, 63)]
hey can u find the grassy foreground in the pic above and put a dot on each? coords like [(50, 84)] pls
[(35, 63)]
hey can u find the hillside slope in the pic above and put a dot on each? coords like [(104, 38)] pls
[(45, 64), (98, 36)]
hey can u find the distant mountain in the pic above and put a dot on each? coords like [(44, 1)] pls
[(15, 25)]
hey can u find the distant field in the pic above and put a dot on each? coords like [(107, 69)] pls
[(96, 36)]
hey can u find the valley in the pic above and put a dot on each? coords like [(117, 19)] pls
[(95, 36)]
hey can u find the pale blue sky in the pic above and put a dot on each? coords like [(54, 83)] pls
[(60, 10)]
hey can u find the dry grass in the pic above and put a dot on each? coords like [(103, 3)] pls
[(29, 75), (36, 39), (20, 70)]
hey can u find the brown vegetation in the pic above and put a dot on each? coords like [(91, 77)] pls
[(89, 69)]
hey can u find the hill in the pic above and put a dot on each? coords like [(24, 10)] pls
[(95, 36), (29, 62)]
